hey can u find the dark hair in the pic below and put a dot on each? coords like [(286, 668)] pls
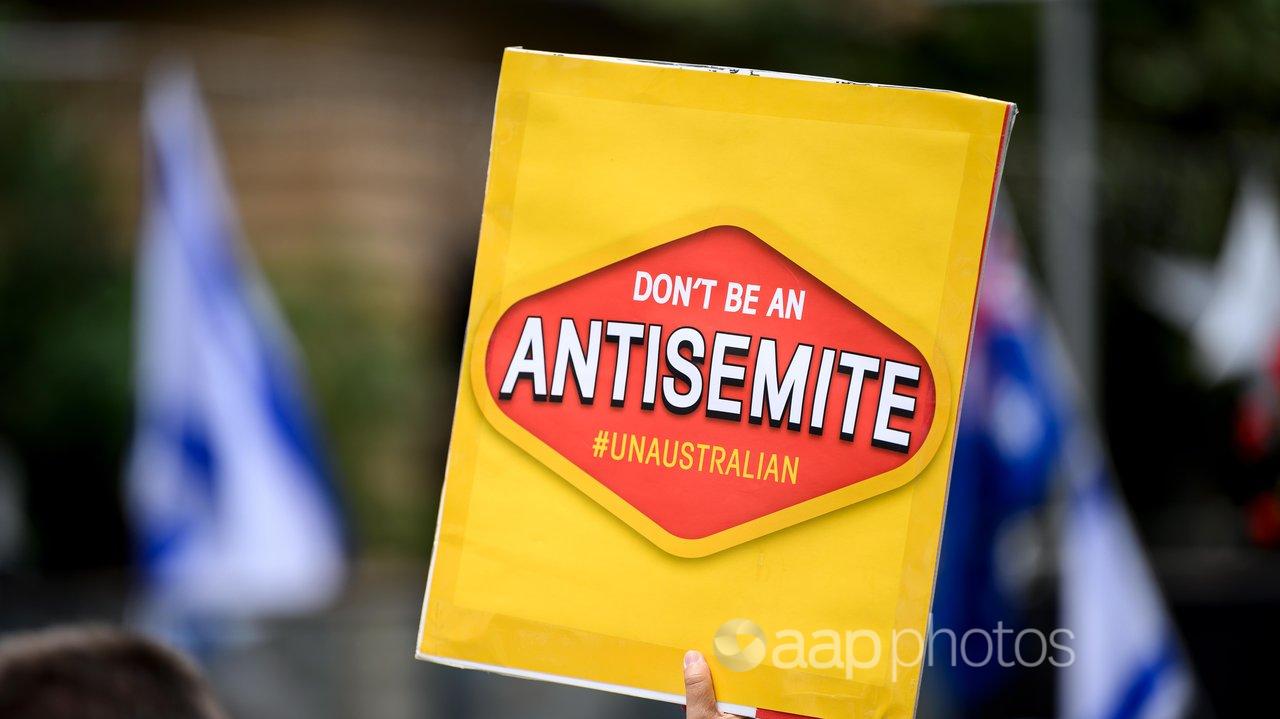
[(98, 673)]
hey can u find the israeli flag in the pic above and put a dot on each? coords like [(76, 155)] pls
[(1127, 661), (233, 506)]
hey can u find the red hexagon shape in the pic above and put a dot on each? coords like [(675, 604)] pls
[(700, 420)]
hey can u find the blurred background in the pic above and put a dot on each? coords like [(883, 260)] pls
[(1139, 187)]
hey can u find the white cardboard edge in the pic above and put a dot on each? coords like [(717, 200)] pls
[(727, 70), (584, 683), (457, 400)]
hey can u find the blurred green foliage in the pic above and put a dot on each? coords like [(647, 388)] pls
[(64, 340), (373, 380)]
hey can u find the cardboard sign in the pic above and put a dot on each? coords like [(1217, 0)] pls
[(718, 331)]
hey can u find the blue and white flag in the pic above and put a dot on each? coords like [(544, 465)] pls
[(1127, 662), (232, 503)]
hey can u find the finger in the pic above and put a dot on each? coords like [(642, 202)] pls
[(699, 692)]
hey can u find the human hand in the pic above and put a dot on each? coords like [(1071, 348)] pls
[(699, 692)]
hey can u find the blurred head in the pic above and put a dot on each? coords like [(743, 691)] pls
[(98, 673)]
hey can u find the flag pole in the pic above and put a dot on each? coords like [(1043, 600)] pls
[(1068, 123)]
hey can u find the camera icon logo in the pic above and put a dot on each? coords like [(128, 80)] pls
[(739, 644)]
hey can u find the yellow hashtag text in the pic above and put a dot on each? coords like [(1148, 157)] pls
[(701, 457)]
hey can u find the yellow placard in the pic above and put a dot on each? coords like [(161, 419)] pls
[(600, 518)]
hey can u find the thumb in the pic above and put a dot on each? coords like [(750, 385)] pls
[(699, 692)]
